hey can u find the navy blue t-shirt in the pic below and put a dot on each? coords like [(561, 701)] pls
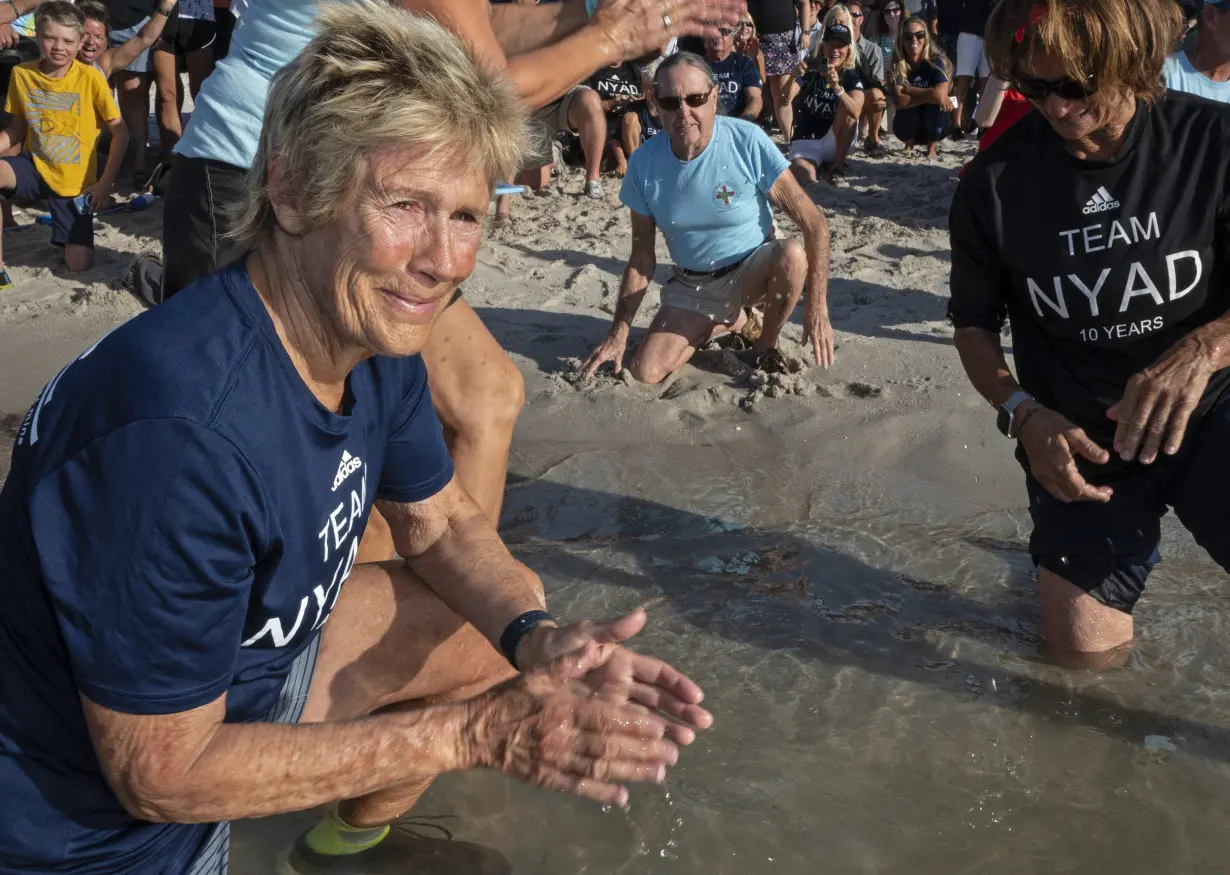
[(734, 76), (649, 122), (925, 75), (179, 519), (815, 106)]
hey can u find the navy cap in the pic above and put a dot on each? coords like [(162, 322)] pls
[(838, 33)]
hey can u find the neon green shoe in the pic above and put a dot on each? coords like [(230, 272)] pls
[(404, 850)]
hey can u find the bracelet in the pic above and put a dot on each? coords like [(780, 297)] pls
[(518, 629), (1025, 417)]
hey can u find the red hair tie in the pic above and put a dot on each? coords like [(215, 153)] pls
[(1036, 13)]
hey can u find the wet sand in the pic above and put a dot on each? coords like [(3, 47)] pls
[(839, 560)]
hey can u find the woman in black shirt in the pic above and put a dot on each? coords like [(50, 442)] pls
[(919, 83), (827, 108), (1099, 225)]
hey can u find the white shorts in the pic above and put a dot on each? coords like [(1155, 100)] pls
[(822, 151), (971, 56)]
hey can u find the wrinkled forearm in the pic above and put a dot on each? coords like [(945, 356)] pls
[(1214, 338), (632, 290), (259, 769), (546, 74), (816, 242)]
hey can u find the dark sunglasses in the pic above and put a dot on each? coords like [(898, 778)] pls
[(1064, 89), (856, 15), (670, 103), (914, 36), (892, 10), (725, 31)]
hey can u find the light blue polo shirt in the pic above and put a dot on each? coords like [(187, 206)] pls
[(714, 209), (1182, 76), (226, 119)]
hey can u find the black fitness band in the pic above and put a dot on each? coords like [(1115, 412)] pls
[(518, 629)]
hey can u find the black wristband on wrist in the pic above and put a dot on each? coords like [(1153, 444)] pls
[(518, 629)]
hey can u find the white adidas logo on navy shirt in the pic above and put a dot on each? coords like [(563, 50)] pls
[(1101, 202), (348, 466)]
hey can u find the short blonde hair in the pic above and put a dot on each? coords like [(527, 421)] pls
[(375, 77), (840, 14), (1117, 45), (59, 12)]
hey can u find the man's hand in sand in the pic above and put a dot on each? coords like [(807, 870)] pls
[(1052, 444), (819, 331), (548, 727), (610, 350), (638, 27), (621, 676)]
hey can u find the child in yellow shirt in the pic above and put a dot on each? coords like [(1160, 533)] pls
[(59, 107)]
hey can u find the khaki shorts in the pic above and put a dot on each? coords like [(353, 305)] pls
[(721, 297), (550, 121)]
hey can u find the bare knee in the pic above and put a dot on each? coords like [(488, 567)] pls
[(794, 257), (78, 258), (495, 396), (1080, 631), (649, 370)]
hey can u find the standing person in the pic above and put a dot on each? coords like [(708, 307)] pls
[(59, 107), (132, 81), (827, 109), (892, 15), (775, 24), (738, 80), (224, 18), (190, 636), (1099, 225), (187, 45), (947, 27), (708, 185), (971, 59), (476, 389), (919, 85), (1204, 69)]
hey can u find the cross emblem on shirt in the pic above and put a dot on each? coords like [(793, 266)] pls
[(724, 194)]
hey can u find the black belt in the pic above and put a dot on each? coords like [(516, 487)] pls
[(721, 271)]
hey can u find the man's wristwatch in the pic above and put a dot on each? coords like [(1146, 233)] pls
[(1007, 413)]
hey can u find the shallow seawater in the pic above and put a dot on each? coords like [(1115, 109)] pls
[(869, 648)]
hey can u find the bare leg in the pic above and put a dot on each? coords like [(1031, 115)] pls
[(804, 171), (8, 182), (200, 64), (630, 134), (777, 283), (845, 126), (78, 258), (619, 157), (585, 116), (779, 88), (133, 89), (170, 125), (1079, 631), (391, 644), (672, 339), (873, 111)]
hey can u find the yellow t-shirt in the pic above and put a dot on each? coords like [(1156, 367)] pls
[(65, 117)]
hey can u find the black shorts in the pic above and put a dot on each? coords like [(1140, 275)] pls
[(196, 218), (1109, 549), (67, 225), (225, 21), (188, 35)]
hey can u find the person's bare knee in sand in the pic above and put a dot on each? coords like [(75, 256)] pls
[(708, 186)]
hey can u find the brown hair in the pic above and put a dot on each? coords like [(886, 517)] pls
[(59, 12), (1118, 46), (95, 11), (900, 70)]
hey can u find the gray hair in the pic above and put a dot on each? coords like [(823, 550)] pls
[(680, 59), (374, 77)]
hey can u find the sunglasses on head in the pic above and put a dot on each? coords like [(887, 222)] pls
[(1064, 89), (915, 36), (670, 103)]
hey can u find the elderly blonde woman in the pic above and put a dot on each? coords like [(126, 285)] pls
[(187, 499), (1099, 226), (827, 109)]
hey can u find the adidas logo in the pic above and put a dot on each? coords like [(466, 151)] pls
[(348, 466), (1101, 202)]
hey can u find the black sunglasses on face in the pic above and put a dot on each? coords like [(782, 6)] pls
[(725, 31), (1064, 89), (915, 36), (856, 15), (892, 10), (670, 103)]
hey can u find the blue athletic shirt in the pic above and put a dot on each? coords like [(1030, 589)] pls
[(227, 114), (713, 210), (179, 519)]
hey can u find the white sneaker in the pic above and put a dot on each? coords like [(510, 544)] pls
[(593, 188)]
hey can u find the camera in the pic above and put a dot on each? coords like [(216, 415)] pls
[(818, 63)]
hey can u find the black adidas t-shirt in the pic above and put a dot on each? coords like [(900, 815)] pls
[(815, 107), (1100, 267), (609, 82), (734, 76)]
